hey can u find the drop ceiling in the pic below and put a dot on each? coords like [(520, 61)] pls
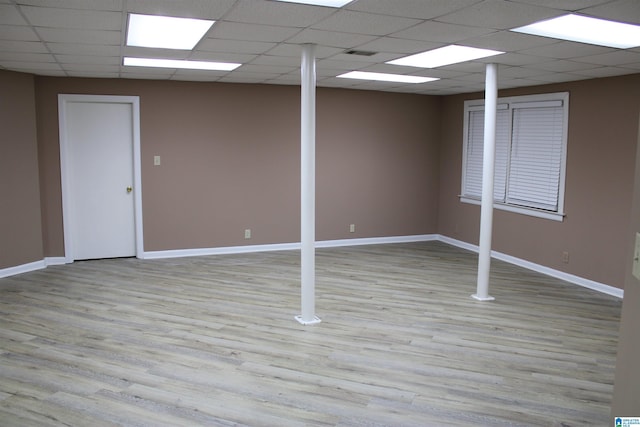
[(86, 38)]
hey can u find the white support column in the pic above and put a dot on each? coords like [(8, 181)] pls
[(488, 168), (308, 186)]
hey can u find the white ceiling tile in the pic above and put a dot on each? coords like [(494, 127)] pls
[(26, 57), (566, 49), (466, 67), (515, 72), (9, 15), (96, 74), (285, 61), (30, 65), (85, 59), (620, 10), (380, 57), (253, 75), (556, 78), (150, 74), (364, 23), (20, 46), (234, 46), (72, 18), (144, 52), (516, 59), (561, 66), (508, 41), (88, 68), (439, 32), (61, 35), (295, 50), (194, 77), (266, 36), (209, 75), (421, 9), (115, 5), (620, 57), (396, 45), (17, 32), (85, 49), (341, 65), (499, 14), (330, 38), (222, 57), (203, 9), (266, 69), (251, 32), (277, 13), (235, 78), (567, 5), (605, 72)]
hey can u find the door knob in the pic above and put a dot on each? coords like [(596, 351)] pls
[(129, 189)]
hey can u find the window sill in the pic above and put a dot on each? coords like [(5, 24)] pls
[(539, 213)]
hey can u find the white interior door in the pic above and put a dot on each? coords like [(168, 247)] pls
[(99, 180)]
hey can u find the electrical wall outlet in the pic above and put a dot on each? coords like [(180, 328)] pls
[(565, 257), (636, 257), (352, 228), (156, 160), (247, 233)]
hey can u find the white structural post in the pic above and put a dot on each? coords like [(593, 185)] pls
[(308, 185), (488, 168)]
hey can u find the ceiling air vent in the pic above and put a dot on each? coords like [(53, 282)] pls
[(360, 52)]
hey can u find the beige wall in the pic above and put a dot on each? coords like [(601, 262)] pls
[(626, 393), (603, 123), (20, 226), (231, 160)]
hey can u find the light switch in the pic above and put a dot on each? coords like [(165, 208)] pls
[(636, 257), (156, 160)]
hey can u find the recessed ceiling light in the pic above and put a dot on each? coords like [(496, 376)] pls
[(586, 30), (383, 77), (447, 55), (329, 3), (175, 63), (165, 31)]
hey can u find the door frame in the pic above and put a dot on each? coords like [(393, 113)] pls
[(67, 194)]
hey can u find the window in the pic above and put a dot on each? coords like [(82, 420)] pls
[(531, 142)]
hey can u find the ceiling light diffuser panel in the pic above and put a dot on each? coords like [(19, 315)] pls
[(175, 63), (447, 55), (328, 3), (383, 77), (584, 29), (166, 32)]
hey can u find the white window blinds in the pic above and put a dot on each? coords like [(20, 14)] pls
[(536, 155), (530, 151), (475, 152)]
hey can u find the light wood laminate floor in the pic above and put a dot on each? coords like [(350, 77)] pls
[(213, 341)]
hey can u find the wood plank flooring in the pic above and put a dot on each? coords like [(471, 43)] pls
[(213, 341)]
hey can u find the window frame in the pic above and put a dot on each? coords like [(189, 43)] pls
[(511, 104)]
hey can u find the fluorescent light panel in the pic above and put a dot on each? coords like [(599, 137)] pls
[(383, 77), (175, 63), (586, 30), (165, 31), (447, 55), (328, 3)]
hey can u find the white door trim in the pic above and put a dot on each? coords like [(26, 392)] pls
[(67, 195)]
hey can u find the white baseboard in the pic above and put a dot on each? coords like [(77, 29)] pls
[(571, 278), (55, 260), (24, 268), (178, 253), (376, 240)]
